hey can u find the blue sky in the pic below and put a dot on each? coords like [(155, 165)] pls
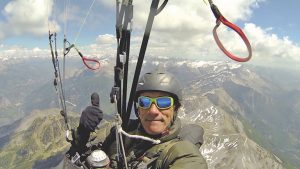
[(282, 16), (183, 29)]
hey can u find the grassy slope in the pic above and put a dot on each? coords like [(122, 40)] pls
[(40, 138), (43, 138)]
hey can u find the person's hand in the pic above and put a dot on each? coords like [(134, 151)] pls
[(90, 118)]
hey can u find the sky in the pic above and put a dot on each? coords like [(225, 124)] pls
[(183, 29)]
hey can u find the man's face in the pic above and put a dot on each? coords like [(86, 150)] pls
[(153, 119)]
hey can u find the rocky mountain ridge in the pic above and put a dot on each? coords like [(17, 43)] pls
[(233, 89), (39, 141)]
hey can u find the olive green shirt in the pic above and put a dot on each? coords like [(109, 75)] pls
[(171, 153)]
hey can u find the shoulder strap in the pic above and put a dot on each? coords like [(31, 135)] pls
[(155, 156), (161, 161)]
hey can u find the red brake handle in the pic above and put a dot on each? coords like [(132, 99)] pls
[(241, 34), (85, 60)]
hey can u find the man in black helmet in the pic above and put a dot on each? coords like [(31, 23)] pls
[(158, 98), (90, 117)]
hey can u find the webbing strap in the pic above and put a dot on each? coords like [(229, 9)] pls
[(162, 6), (165, 153), (124, 99), (221, 19), (158, 159), (241, 34), (123, 19), (58, 83), (153, 12), (85, 60)]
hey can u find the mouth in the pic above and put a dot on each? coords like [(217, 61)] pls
[(152, 120)]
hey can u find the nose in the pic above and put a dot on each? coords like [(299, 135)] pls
[(153, 110)]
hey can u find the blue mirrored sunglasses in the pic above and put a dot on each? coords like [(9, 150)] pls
[(160, 102)]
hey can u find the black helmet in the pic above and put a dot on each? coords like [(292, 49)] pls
[(95, 100), (160, 80)]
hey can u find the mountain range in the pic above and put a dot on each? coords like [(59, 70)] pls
[(249, 113)]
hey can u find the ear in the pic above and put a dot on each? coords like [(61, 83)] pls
[(177, 106)]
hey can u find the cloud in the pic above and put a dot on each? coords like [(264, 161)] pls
[(105, 46), (21, 52), (270, 46), (26, 17), (184, 29), (106, 39)]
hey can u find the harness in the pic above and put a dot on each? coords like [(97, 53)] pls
[(155, 156)]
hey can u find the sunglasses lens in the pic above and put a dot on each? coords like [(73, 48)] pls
[(161, 102), (144, 102), (164, 102)]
